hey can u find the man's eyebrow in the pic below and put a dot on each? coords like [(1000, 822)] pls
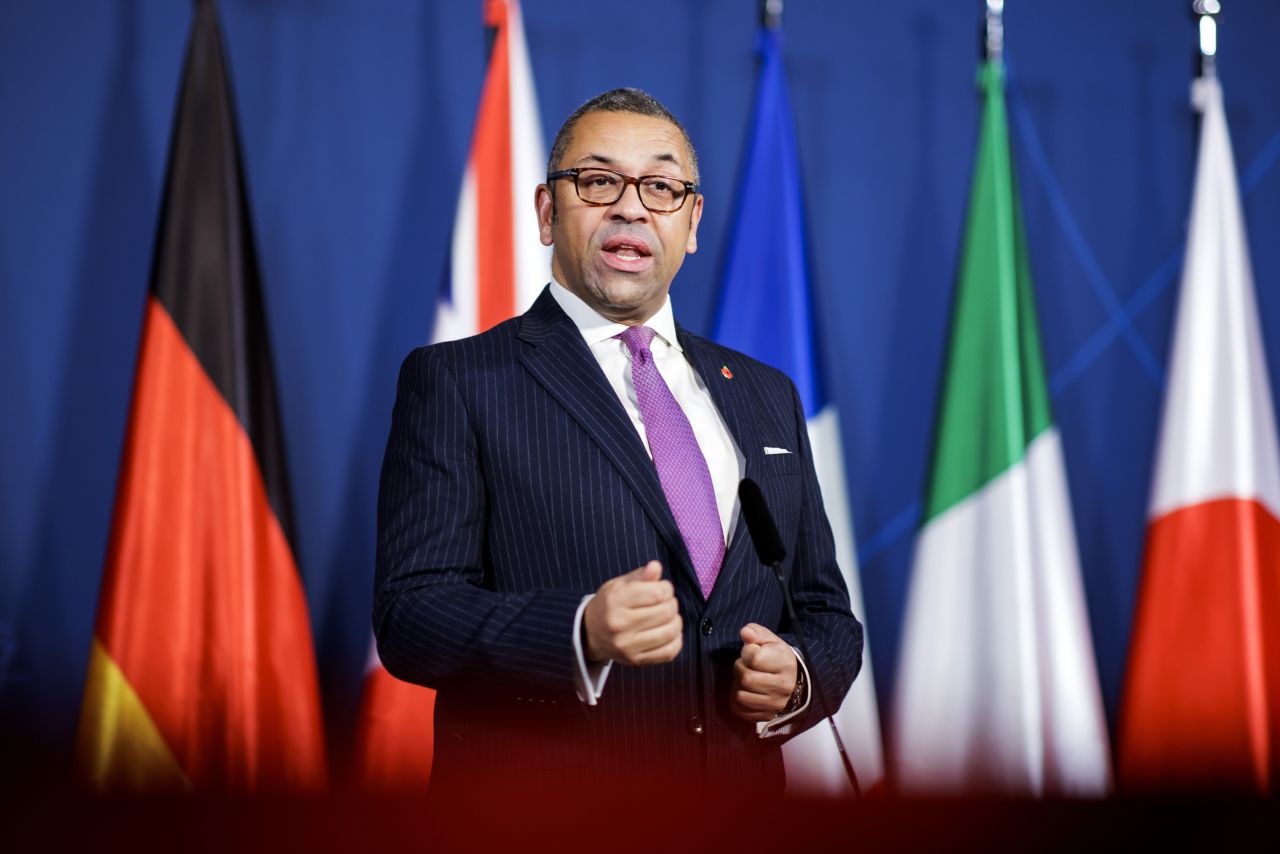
[(597, 158), (605, 160)]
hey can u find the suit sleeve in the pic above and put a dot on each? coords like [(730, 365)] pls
[(821, 597), (435, 619)]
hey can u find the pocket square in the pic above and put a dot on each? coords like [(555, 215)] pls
[(771, 451)]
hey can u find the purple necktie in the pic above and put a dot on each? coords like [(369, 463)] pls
[(682, 469)]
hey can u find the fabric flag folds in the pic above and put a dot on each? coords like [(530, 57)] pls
[(766, 311), (1201, 708), (497, 267), (997, 687), (202, 674)]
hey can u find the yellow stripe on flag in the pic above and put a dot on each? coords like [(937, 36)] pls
[(120, 748)]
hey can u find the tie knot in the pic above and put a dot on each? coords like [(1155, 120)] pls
[(637, 339)]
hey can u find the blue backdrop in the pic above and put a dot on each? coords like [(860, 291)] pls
[(355, 119)]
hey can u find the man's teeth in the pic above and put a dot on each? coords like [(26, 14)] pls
[(626, 252)]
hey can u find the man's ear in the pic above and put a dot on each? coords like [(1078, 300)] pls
[(691, 245), (546, 205)]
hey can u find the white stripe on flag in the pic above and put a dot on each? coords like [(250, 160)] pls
[(997, 686), (528, 170), (812, 761), (1218, 432)]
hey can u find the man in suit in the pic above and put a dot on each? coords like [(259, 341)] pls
[(560, 552)]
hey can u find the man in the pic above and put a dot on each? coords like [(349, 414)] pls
[(560, 552)]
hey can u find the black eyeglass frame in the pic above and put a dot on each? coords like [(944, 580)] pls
[(690, 188)]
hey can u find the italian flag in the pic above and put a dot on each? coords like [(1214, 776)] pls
[(1202, 696), (497, 268), (997, 688)]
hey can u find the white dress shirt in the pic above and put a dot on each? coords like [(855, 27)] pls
[(725, 462), (724, 459)]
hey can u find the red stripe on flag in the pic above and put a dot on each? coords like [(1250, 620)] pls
[(491, 166), (202, 607), (396, 734), (1202, 700)]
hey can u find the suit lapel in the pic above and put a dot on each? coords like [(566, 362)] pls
[(562, 363), (734, 398)]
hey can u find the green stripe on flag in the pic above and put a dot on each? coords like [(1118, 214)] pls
[(994, 398)]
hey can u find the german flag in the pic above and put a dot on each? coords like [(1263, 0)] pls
[(202, 675)]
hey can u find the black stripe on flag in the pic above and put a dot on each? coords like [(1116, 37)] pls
[(205, 269)]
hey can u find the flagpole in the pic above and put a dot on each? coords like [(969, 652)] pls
[(490, 29), (995, 30), (1208, 10), (771, 14)]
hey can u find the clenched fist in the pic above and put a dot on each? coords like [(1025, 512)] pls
[(764, 675), (634, 619)]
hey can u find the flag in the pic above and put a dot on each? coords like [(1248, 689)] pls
[(497, 267), (766, 311), (202, 675), (498, 264), (1201, 704), (997, 686)]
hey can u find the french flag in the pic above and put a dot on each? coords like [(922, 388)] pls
[(766, 311)]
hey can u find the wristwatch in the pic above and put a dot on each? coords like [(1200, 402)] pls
[(797, 696)]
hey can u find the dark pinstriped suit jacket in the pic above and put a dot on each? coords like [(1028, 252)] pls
[(513, 484)]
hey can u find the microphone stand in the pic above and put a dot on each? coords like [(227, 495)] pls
[(776, 566)]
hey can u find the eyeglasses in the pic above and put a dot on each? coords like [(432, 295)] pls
[(658, 193)]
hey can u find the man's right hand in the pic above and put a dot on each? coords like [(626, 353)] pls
[(634, 618)]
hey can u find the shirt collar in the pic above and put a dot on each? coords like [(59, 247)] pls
[(596, 329)]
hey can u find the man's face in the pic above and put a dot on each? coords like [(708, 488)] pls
[(620, 258)]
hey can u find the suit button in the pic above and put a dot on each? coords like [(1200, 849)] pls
[(707, 626), (694, 725)]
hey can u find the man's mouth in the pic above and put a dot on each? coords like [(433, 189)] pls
[(629, 254), (627, 247)]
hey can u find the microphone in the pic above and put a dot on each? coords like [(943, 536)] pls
[(764, 536)]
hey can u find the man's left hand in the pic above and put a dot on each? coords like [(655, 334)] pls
[(764, 675)]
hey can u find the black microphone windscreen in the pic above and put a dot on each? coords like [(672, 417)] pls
[(764, 534)]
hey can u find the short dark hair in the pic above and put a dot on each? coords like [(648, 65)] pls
[(619, 101)]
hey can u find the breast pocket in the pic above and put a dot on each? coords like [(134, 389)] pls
[(778, 476), (780, 464)]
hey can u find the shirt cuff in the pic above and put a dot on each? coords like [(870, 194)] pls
[(781, 725), (588, 677)]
